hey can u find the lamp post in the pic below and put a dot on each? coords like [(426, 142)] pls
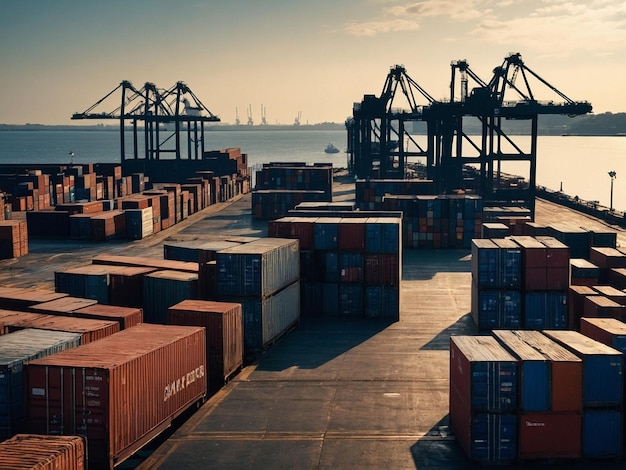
[(613, 175)]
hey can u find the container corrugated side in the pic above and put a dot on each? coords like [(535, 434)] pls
[(566, 371), (534, 372), (35, 451), (602, 434), (484, 373), (162, 289), (550, 436), (545, 310), (259, 268), (603, 379), (119, 392), (224, 331), (90, 282), (266, 319), (16, 349)]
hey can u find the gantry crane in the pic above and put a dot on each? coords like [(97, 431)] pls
[(377, 130), (372, 131), (153, 108)]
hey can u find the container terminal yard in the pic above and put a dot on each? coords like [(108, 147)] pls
[(327, 318)]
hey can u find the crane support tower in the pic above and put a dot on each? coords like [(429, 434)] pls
[(380, 139)]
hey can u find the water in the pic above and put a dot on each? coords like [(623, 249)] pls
[(579, 164)]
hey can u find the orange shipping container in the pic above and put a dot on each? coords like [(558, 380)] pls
[(224, 329), (35, 451), (119, 392)]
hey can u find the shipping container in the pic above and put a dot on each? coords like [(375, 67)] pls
[(576, 304), (145, 262), (599, 306), (534, 372), (125, 316), (612, 293), (197, 251), (162, 289), (119, 392), (267, 319), (496, 309), (19, 298), (139, 223), (89, 330), (609, 331), (602, 434), (545, 310), (257, 269), (603, 380), (486, 438), (224, 335), (566, 371), (583, 272), (550, 436), (484, 374), (36, 451), (126, 285), (62, 305), (16, 349), (90, 282)]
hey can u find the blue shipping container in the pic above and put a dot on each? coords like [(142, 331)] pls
[(326, 233), (494, 438), (545, 310), (602, 434), (496, 309), (494, 386)]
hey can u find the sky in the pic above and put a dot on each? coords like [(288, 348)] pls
[(313, 58)]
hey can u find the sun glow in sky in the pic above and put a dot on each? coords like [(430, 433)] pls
[(314, 57)]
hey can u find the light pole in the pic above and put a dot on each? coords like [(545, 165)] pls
[(613, 175)]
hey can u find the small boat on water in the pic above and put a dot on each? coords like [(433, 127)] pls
[(330, 148)]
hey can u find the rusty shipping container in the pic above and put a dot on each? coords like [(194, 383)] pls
[(224, 331), (18, 298), (35, 451), (125, 316), (89, 330), (119, 392)]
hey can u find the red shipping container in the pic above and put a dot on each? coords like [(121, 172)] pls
[(576, 304), (534, 253), (35, 451), (119, 392), (599, 306), (612, 293), (557, 278), (303, 228), (224, 335), (125, 316), (550, 436), (19, 298), (558, 253), (535, 278), (609, 331), (90, 330), (351, 234)]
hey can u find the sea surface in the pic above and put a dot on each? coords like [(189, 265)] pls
[(578, 165)]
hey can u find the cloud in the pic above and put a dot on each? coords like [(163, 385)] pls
[(372, 28)]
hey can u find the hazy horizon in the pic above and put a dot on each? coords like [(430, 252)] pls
[(291, 57)]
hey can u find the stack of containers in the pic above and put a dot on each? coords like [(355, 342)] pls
[(579, 240), (448, 221), (280, 187), (13, 239), (369, 194), (484, 399), (609, 331), (550, 396), (496, 284), (576, 295), (224, 331), (30, 451), (351, 266), (16, 349), (264, 277), (602, 392), (545, 267), (606, 258), (143, 378)]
